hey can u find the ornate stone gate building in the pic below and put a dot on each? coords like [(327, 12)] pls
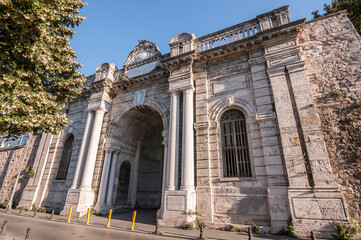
[(224, 126)]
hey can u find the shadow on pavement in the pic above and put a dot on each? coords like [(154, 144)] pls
[(144, 216)]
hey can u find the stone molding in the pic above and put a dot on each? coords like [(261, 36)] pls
[(228, 102), (151, 102)]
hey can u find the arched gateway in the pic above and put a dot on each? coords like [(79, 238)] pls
[(134, 177)]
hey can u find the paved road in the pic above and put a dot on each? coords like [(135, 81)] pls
[(52, 230)]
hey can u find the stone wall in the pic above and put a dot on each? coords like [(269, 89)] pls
[(10, 161), (331, 48)]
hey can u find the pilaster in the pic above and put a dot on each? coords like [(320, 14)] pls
[(31, 194), (272, 164)]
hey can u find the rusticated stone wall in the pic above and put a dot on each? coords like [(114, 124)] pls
[(331, 48), (10, 163)]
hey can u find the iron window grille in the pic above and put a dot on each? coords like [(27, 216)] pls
[(65, 158), (235, 151)]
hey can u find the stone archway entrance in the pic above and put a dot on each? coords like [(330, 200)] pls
[(150, 169), (138, 138)]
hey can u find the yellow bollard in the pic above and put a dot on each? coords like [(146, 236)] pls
[(109, 217), (133, 221), (87, 216), (69, 216)]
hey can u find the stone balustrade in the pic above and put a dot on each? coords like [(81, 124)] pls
[(227, 35)]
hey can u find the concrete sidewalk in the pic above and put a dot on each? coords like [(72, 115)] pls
[(143, 226)]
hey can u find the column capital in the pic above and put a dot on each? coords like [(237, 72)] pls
[(98, 105), (115, 152), (277, 71), (174, 92), (296, 67), (188, 90), (101, 110), (256, 61), (108, 150)]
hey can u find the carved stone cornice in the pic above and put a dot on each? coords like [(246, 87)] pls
[(161, 73), (283, 57), (178, 62)]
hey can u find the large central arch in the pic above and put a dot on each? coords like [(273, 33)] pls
[(137, 135)]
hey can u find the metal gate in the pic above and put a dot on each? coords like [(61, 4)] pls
[(150, 169)]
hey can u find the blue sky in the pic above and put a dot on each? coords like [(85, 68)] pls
[(113, 27)]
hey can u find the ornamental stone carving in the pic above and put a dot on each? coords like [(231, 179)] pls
[(143, 51), (139, 97), (105, 71)]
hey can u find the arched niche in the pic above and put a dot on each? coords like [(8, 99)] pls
[(123, 182)]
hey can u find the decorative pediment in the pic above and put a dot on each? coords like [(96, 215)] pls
[(143, 51)]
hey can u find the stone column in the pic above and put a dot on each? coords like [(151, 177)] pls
[(84, 143), (188, 146), (113, 168), (165, 175), (104, 179), (173, 140), (88, 171)]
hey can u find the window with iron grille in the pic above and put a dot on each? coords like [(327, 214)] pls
[(235, 152), (65, 158)]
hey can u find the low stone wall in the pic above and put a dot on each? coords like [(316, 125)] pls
[(331, 48), (11, 159)]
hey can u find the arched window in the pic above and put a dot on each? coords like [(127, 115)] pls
[(235, 153), (65, 158)]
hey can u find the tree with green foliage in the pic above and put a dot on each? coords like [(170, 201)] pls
[(352, 7), (38, 75)]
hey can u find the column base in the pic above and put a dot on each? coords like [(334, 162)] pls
[(102, 208), (179, 208), (80, 200)]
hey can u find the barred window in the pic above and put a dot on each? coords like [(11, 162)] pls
[(235, 153), (65, 158)]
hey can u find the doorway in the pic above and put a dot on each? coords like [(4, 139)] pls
[(149, 190)]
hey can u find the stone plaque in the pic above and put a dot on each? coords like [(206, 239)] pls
[(73, 198), (176, 203), (241, 205), (229, 83), (319, 208)]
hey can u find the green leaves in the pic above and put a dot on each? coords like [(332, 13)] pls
[(37, 72)]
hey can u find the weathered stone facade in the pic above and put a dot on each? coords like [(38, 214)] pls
[(331, 48), (238, 127), (12, 160)]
